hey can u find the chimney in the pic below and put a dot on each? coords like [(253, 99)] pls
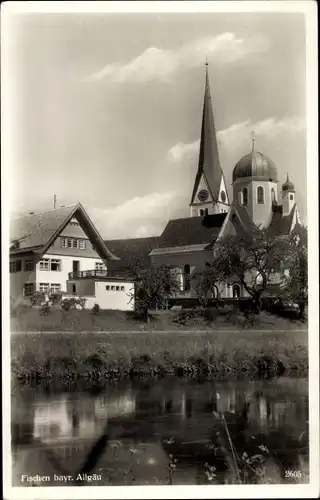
[(54, 201)]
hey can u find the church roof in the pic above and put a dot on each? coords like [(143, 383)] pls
[(280, 225), (209, 163), (191, 231), (37, 231), (131, 250)]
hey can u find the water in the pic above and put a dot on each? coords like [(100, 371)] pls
[(174, 431)]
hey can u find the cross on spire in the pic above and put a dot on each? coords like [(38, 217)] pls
[(253, 136)]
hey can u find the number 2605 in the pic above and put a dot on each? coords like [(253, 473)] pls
[(296, 474)]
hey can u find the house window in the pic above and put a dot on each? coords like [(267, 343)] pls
[(28, 265), (117, 288), (99, 266), (55, 287), (206, 212), (43, 287), (73, 243), (55, 265), (122, 289), (201, 212), (260, 195), (108, 288), (245, 196), (28, 289), (44, 264), (291, 197), (273, 195), (112, 288), (187, 283), (74, 288), (15, 266)]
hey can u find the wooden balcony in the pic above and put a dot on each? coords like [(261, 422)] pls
[(100, 273), (91, 273)]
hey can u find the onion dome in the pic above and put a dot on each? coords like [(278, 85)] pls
[(256, 165), (288, 185)]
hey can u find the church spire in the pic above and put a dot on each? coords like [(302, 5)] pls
[(209, 169)]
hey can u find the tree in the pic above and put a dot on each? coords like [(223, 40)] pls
[(153, 287), (206, 282), (249, 259), (295, 286)]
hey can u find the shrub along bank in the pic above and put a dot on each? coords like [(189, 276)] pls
[(97, 356)]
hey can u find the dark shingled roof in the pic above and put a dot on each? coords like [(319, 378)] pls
[(280, 225), (248, 224), (131, 250), (37, 231), (191, 231), (209, 163)]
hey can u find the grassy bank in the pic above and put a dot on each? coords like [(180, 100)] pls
[(98, 356), (27, 319)]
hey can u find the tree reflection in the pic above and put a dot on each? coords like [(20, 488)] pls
[(184, 420)]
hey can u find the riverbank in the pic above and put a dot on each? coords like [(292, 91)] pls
[(96, 356), (28, 319)]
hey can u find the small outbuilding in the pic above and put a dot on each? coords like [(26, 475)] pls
[(97, 287)]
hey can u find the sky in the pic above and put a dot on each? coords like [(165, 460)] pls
[(106, 109)]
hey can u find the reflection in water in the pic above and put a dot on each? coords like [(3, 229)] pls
[(175, 431)]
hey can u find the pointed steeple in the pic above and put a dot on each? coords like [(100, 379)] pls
[(209, 166)]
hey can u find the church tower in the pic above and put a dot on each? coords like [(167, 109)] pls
[(254, 182), (209, 195), (288, 197)]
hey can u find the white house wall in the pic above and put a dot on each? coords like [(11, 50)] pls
[(61, 277), (17, 280), (116, 300)]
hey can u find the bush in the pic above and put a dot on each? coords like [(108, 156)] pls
[(96, 309)]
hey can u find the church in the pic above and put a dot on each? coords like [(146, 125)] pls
[(186, 244)]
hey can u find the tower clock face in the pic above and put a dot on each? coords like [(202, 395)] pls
[(203, 195)]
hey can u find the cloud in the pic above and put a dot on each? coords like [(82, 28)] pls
[(136, 217), (240, 133), (162, 64)]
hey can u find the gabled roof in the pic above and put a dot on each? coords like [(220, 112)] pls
[(280, 225), (191, 231), (132, 250), (209, 163), (37, 232)]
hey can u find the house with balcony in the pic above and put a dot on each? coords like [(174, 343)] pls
[(48, 248)]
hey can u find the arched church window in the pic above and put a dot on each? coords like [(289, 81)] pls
[(223, 196), (245, 196), (291, 197), (206, 212), (201, 212), (236, 291), (187, 280), (273, 195), (260, 194)]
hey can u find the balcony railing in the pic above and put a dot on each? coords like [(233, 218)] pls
[(92, 273), (100, 273)]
